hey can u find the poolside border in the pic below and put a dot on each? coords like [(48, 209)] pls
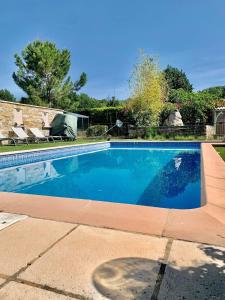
[(205, 224)]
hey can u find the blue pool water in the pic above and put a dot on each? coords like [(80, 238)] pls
[(151, 175)]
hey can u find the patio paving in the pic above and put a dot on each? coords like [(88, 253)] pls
[(102, 259), (43, 259), (25, 240), (194, 271), (18, 291)]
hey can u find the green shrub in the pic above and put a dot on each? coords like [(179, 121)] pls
[(96, 130), (150, 132)]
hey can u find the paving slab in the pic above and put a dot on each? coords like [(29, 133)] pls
[(195, 271), (25, 240), (18, 291), (7, 219), (101, 264)]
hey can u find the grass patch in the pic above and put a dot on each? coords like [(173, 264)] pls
[(221, 151), (8, 148)]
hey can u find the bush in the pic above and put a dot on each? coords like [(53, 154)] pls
[(96, 130), (150, 132)]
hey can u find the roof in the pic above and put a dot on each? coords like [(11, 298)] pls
[(77, 115)]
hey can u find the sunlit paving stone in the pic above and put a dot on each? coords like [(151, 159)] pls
[(17, 291), (25, 240), (101, 263), (195, 271)]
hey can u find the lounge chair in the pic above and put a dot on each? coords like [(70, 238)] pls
[(20, 134), (40, 136), (3, 138)]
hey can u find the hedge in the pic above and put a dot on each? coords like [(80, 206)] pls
[(106, 115)]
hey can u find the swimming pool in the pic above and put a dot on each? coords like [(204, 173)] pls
[(161, 174)]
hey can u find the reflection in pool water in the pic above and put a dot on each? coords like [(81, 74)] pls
[(163, 178)]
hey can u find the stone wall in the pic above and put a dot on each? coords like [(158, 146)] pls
[(26, 116)]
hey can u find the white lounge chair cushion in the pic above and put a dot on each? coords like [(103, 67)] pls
[(37, 133), (20, 132)]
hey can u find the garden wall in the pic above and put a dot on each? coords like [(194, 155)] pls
[(26, 116)]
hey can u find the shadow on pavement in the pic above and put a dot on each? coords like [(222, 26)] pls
[(135, 278)]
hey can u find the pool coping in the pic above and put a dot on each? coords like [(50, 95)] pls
[(205, 224), (92, 143), (49, 148)]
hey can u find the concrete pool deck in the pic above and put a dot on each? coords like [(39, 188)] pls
[(205, 224), (42, 260)]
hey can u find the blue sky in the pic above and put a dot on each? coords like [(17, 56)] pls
[(104, 37)]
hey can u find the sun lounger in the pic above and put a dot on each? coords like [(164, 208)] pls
[(40, 136), (20, 134)]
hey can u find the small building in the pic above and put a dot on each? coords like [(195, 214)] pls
[(219, 119), (82, 121)]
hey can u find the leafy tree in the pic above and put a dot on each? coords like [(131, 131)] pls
[(7, 96), (148, 91), (86, 102), (217, 91), (177, 79), (43, 75), (197, 107), (113, 102), (194, 107), (177, 96)]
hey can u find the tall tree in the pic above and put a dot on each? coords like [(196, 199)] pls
[(7, 96), (43, 74), (177, 79), (148, 91)]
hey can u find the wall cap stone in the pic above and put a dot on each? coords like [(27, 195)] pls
[(30, 105)]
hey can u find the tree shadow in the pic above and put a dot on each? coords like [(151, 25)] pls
[(138, 278), (126, 278), (204, 279)]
